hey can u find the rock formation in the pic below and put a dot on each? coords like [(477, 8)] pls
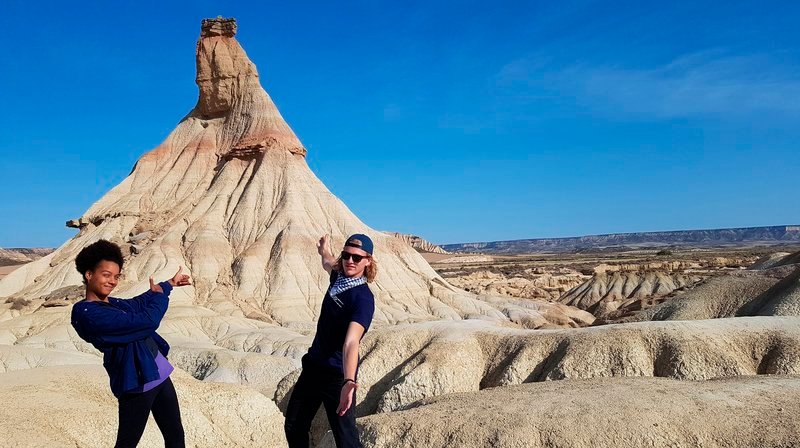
[(408, 363), (775, 260), (744, 293), (9, 257), (230, 196), (419, 243), (627, 288), (606, 292), (529, 284), (742, 412), (414, 362)]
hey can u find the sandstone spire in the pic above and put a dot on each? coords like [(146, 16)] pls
[(230, 91), (229, 195)]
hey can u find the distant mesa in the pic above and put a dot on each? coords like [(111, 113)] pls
[(744, 236), (11, 257)]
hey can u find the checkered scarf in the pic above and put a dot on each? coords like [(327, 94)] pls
[(344, 283)]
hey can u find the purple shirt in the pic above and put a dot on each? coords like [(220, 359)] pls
[(164, 369)]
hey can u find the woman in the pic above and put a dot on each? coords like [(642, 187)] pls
[(330, 368), (134, 355)]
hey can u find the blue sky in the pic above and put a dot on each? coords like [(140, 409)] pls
[(469, 121)]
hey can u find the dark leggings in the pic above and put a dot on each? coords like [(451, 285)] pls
[(134, 408), (314, 387)]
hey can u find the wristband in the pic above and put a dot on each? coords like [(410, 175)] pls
[(348, 380)]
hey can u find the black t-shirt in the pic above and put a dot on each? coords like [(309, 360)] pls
[(356, 304)]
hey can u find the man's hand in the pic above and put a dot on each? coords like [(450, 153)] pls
[(322, 246), (346, 398)]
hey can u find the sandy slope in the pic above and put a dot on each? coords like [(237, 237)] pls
[(743, 412), (72, 406)]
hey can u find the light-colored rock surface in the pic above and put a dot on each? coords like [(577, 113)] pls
[(72, 406), (776, 259), (529, 284), (782, 299), (407, 363), (257, 370), (742, 412), (609, 291), (467, 259), (624, 289), (418, 243), (21, 256), (5, 270), (737, 294)]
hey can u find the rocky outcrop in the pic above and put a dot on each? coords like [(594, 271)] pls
[(405, 364), (740, 412), (743, 293), (776, 260), (782, 299), (528, 284), (418, 243), (606, 292), (626, 288)]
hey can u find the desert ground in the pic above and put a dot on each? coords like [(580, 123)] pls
[(611, 283), (728, 379), (5, 270), (661, 347)]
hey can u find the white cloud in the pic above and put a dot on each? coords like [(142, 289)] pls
[(699, 84)]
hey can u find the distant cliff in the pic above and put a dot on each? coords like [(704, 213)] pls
[(10, 257), (685, 238), (418, 243)]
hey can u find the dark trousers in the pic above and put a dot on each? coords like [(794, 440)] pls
[(319, 385), (134, 408)]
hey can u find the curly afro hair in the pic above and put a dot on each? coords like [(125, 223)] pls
[(91, 255)]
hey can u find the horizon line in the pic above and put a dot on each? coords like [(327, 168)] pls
[(623, 233)]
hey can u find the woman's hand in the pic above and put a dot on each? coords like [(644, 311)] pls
[(178, 280), (346, 397)]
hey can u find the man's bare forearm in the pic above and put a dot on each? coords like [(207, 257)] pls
[(350, 361)]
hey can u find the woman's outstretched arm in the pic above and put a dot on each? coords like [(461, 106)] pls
[(140, 301), (114, 326)]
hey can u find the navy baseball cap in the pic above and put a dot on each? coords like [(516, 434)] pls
[(360, 241)]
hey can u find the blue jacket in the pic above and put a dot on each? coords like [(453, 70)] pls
[(119, 329)]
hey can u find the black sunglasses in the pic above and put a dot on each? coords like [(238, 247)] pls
[(356, 258)]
